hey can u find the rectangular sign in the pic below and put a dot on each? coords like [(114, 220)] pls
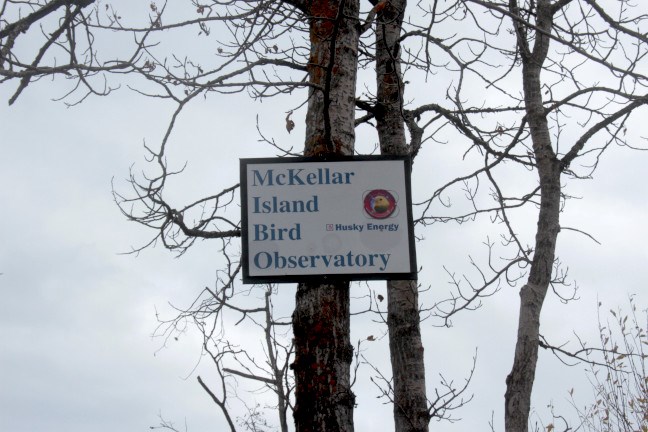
[(310, 219)]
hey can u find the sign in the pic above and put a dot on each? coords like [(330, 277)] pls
[(312, 219)]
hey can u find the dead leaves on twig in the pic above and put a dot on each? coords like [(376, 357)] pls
[(290, 125)]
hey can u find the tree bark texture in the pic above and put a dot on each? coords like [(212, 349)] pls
[(321, 320), (323, 354), (519, 383), (332, 69), (411, 412)]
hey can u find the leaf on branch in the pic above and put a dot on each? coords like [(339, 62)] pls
[(290, 125)]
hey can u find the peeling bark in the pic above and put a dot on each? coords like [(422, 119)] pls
[(321, 320), (333, 67), (323, 354)]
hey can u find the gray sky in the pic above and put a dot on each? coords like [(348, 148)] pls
[(76, 316)]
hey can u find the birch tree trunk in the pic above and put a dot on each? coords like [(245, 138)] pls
[(406, 349), (519, 383), (321, 320)]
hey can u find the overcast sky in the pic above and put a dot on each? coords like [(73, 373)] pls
[(77, 316)]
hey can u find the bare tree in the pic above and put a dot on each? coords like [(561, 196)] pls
[(537, 65), (563, 52), (411, 410)]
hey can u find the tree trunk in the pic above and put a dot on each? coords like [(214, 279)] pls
[(519, 383), (321, 320), (332, 67), (411, 412), (406, 349), (323, 353)]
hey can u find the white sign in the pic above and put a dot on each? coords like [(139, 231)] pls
[(305, 218)]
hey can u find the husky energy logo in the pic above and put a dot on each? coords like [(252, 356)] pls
[(379, 203)]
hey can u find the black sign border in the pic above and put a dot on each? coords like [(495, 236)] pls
[(325, 278)]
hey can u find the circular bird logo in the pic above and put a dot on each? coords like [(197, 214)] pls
[(379, 203)]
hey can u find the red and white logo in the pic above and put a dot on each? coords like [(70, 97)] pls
[(379, 203)]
